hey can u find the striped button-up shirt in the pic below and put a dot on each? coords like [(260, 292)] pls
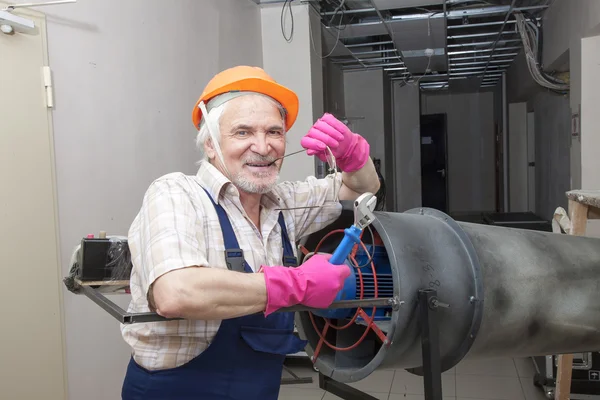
[(177, 227)]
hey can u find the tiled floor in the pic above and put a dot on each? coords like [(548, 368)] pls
[(495, 379)]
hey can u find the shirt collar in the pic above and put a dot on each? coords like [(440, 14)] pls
[(219, 186)]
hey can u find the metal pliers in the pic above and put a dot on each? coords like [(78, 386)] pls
[(364, 206)]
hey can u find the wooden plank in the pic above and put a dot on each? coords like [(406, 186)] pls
[(578, 213), (563, 377)]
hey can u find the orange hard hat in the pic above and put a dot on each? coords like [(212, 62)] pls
[(253, 79)]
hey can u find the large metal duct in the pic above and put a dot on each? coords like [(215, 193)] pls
[(510, 292)]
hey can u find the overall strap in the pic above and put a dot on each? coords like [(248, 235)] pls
[(234, 255), (289, 259)]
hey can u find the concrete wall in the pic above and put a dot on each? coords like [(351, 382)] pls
[(126, 77), (552, 139), (407, 146), (363, 93), (333, 85), (517, 157), (471, 170), (297, 65), (566, 23), (590, 121), (520, 86)]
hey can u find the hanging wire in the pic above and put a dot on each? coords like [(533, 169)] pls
[(287, 3), (331, 161), (530, 36), (337, 40)]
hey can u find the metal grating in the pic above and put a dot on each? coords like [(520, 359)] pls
[(472, 42)]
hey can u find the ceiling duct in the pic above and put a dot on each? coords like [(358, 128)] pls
[(472, 40)]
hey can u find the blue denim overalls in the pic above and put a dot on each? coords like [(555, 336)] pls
[(245, 359)]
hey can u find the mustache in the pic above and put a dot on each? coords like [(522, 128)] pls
[(261, 159)]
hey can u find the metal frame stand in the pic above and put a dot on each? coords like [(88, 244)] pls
[(430, 345), (432, 371), (342, 390), (295, 379)]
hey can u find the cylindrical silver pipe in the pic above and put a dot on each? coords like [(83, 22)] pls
[(511, 292)]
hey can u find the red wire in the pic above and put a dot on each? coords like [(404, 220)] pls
[(359, 311), (359, 277)]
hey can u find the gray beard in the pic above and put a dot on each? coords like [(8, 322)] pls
[(251, 187)]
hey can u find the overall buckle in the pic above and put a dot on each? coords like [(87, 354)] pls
[(234, 258), (290, 261)]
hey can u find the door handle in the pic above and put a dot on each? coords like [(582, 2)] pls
[(442, 171)]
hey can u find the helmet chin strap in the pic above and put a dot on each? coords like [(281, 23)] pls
[(215, 141)]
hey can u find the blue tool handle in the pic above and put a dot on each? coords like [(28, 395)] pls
[(351, 237)]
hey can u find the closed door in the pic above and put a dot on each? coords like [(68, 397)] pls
[(434, 172), (31, 338)]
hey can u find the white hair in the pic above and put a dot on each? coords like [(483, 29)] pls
[(215, 114), (204, 134)]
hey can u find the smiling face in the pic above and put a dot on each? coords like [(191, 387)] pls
[(252, 138)]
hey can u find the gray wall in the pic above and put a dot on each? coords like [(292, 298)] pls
[(471, 170), (295, 65), (126, 77), (520, 86), (590, 120), (590, 94), (552, 139), (333, 88), (407, 146), (363, 93), (565, 23)]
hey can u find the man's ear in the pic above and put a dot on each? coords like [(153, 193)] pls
[(209, 149)]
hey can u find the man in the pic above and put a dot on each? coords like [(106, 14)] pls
[(215, 249)]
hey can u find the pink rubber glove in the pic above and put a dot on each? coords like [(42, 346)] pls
[(314, 283), (351, 150)]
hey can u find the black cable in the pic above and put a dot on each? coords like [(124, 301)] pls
[(289, 4)]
